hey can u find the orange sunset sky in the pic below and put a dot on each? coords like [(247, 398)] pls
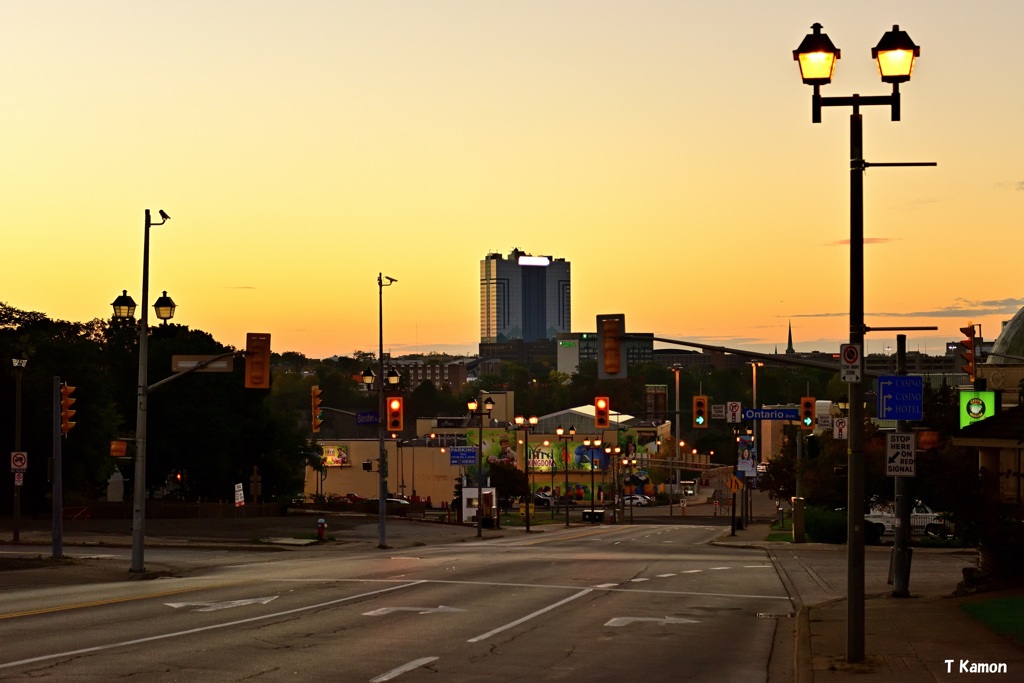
[(665, 148)]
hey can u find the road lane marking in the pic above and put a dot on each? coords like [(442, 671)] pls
[(606, 585), (227, 604), (114, 601), (539, 612), (394, 673), (202, 629), (625, 621), (665, 576), (420, 610), (639, 579)]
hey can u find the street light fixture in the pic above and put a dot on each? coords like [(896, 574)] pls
[(567, 438), (631, 464), (526, 424), (124, 307), (895, 55), (488, 406)]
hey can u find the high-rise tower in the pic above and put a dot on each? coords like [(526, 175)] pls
[(523, 297)]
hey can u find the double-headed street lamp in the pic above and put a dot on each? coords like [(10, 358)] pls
[(124, 307), (484, 411), (566, 437), (817, 56), (526, 424), (631, 464)]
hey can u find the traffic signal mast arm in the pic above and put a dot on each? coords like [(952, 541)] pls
[(198, 366)]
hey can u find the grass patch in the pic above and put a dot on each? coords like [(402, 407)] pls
[(785, 536), (1002, 615)]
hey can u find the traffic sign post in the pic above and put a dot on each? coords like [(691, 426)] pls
[(851, 363), (19, 461), (462, 455), (900, 460), (733, 412), (901, 397), (771, 414), (839, 428)]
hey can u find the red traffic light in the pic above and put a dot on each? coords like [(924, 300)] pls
[(66, 413), (317, 411), (602, 413), (395, 414)]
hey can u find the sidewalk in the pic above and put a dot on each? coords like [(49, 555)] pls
[(906, 639)]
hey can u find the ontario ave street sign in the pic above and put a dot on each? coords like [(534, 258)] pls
[(901, 397), (771, 414)]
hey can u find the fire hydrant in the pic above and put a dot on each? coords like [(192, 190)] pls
[(321, 525)]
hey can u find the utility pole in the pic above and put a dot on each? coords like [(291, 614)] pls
[(901, 551)]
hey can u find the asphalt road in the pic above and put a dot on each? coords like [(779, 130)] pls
[(595, 604)]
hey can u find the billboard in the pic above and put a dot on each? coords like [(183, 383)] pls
[(976, 406)]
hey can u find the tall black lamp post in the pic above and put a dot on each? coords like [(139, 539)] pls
[(526, 424), (19, 367), (567, 438), (817, 56), (484, 411), (391, 378), (592, 446), (124, 307)]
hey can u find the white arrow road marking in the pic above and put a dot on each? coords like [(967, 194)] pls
[(214, 606), (414, 664), (625, 621), (420, 610)]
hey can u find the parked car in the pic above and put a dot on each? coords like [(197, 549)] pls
[(635, 501), (542, 500), (882, 516)]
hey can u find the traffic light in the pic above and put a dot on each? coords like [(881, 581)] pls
[(257, 361), (700, 412), (970, 346), (395, 410), (457, 493), (65, 408), (317, 412), (602, 413), (807, 410), (610, 330)]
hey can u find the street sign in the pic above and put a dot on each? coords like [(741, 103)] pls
[(462, 455), (839, 428), (771, 414), (823, 421), (718, 411), (901, 397), (366, 418), (19, 478), (182, 363), (734, 484), (19, 461), (851, 363), (239, 495), (900, 456), (733, 412)]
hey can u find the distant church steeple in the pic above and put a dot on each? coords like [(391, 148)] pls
[(789, 347)]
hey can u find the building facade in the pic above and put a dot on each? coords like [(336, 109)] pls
[(523, 297)]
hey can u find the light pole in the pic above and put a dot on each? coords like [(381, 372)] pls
[(19, 367), (526, 424), (488, 406), (756, 455), (631, 464), (817, 56), (592, 446), (124, 307), (391, 377), (613, 454), (567, 438)]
